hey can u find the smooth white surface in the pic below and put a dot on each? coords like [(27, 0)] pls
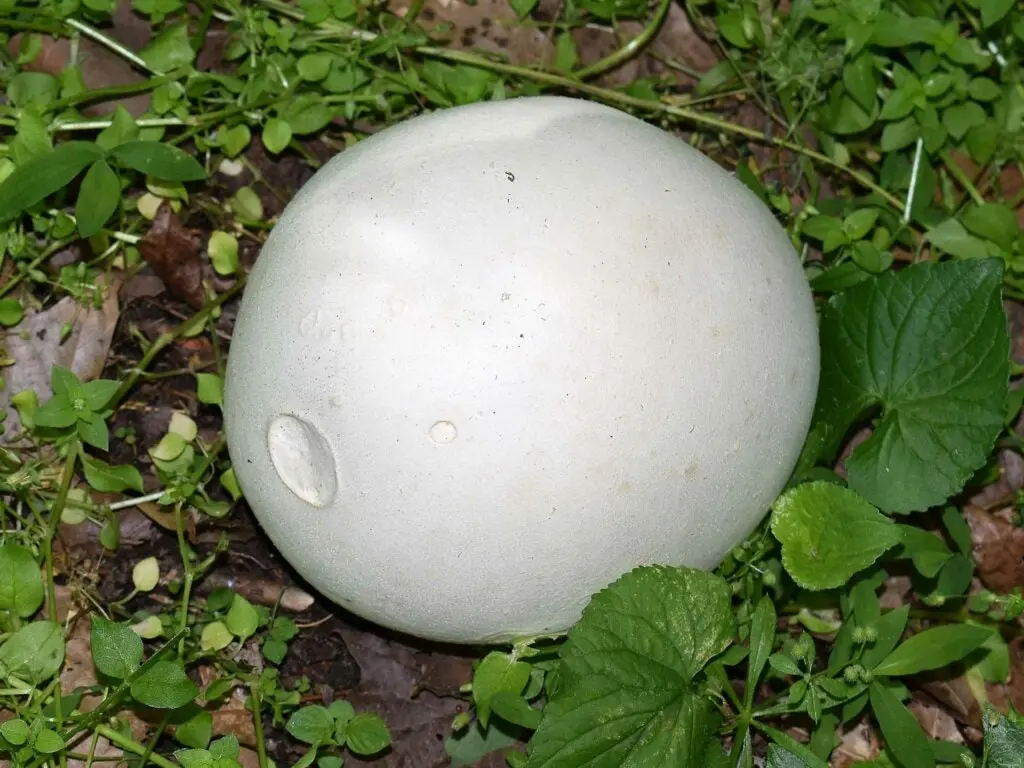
[(494, 357)]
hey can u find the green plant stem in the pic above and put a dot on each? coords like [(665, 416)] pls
[(130, 745), (108, 42), (47, 253), (631, 49), (112, 92), (257, 723), (167, 338), (962, 178)]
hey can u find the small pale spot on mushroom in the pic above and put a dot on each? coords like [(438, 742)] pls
[(443, 432)]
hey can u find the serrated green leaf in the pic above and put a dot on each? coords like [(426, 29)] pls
[(933, 649), (34, 653), (497, 672), (98, 198), (116, 649), (903, 735), (928, 345), (626, 670), (45, 174), (162, 161), (1004, 740), (828, 533), (164, 686), (21, 585)]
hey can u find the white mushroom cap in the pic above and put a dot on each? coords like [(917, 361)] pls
[(493, 357)]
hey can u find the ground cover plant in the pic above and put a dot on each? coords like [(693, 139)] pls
[(872, 619)]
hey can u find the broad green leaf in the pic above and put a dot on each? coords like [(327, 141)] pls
[(169, 50), (45, 174), (1004, 740), (953, 238), (48, 742), (92, 429), (21, 585), (234, 139), (197, 731), (929, 346), (226, 748), (993, 659), (56, 413), (122, 128), (242, 619), (366, 734), (861, 80), (34, 653), (959, 119), (624, 696), (27, 88), (15, 731), (933, 649), (210, 388), (994, 10), (782, 758), (116, 650), (164, 686), (277, 134), (98, 198), (828, 533), (522, 7), (215, 636), (497, 672), (995, 222), (900, 134), (314, 66), (98, 393), (515, 709), (903, 735), (11, 312), (468, 747), (162, 161), (223, 250), (312, 724)]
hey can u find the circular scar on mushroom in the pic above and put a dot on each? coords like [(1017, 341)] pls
[(495, 356)]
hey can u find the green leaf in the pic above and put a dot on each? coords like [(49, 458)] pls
[(860, 223), (959, 119), (516, 710), (903, 735), (828, 533), (45, 174), (234, 139), (953, 238), (314, 66), (993, 11), (242, 619), (98, 198), (210, 388), (11, 312), (98, 393), (861, 80), (56, 413), (995, 222), (497, 672), (467, 747), (223, 251), (566, 55), (34, 653), (162, 161), (889, 629), (197, 731), (170, 49), (226, 748), (116, 649), (122, 128), (782, 758), (312, 724), (366, 734), (48, 742), (164, 686), (899, 134), (762, 637), (929, 345), (933, 649), (92, 429), (523, 7), (277, 134), (15, 731), (626, 671), (1004, 740), (21, 586)]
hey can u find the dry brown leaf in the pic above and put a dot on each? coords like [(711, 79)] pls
[(856, 745), (35, 345), (998, 549), (936, 721), (173, 253)]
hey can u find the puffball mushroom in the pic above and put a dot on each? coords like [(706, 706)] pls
[(493, 357)]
